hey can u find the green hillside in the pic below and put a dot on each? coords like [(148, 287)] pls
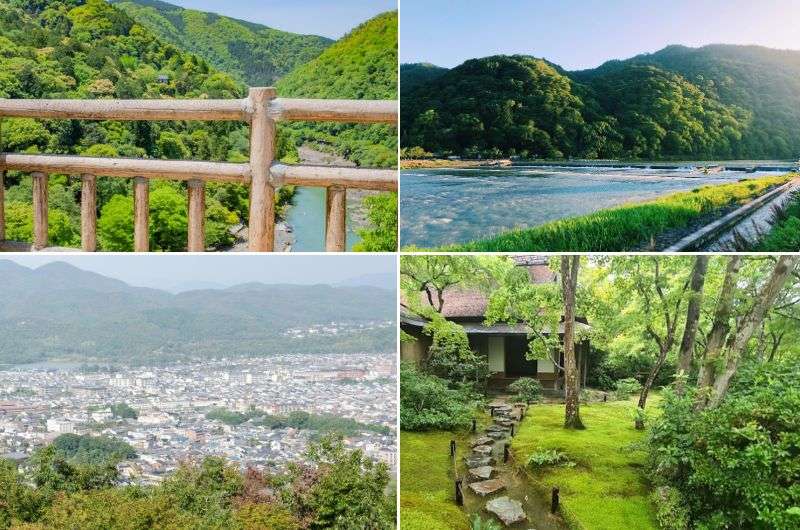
[(59, 311), (680, 103), (91, 50), (362, 65), (254, 54), (414, 74)]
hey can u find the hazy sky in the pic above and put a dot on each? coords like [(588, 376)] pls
[(579, 34), (170, 271), (329, 18)]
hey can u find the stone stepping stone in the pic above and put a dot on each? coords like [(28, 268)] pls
[(482, 449), (497, 404), (483, 440), (503, 422), (478, 461), (507, 510), (499, 435), (487, 487), (495, 428), (482, 472)]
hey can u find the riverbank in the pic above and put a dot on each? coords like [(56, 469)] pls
[(633, 226), (438, 163), (605, 487), (784, 236)]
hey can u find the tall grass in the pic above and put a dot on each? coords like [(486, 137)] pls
[(784, 236), (626, 227)]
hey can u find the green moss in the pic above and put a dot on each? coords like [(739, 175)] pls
[(625, 227), (426, 484), (607, 487)]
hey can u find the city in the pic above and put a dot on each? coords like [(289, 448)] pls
[(164, 415)]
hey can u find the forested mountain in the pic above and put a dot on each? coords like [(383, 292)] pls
[(718, 101), (59, 311), (362, 65), (414, 74), (92, 50), (252, 53)]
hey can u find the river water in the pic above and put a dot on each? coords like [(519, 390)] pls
[(445, 206), (307, 219)]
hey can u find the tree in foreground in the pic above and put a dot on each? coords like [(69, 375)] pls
[(569, 284)]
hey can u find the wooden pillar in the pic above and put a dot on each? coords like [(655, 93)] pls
[(141, 214), (40, 221), (2, 206), (336, 219), (262, 152), (88, 213), (197, 214)]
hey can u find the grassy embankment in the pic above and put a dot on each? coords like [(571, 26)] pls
[(606, 489), (626, 227), (784, 236)]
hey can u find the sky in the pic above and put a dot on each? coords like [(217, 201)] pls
[(329, 18), (579, 34), (175, 272)]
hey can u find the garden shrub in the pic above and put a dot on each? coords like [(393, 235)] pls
[(624, 388), (671, 511), (547, 458), (736, 465), (427, 403), (528, 390)]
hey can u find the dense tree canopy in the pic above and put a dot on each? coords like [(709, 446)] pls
[(681, 103)]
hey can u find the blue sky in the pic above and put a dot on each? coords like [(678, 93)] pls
[(173, 271), (329, 18), (579, 34)]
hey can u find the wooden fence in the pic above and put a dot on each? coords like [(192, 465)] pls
[(261, 109)]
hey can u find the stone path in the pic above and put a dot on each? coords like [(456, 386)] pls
[(486, 462)]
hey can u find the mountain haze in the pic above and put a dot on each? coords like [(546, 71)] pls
[(255, 54), (60, 311)]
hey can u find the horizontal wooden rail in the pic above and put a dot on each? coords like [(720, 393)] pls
[(127, 109), (127, 167), (343, 110), (261, 109), (344, 177), (279, 109)]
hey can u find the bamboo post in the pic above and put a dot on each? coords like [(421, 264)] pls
[(474, 424), (452, 448), (262, 152), (88, 213), (197, 212), (40, 221), (459, 492), (505, 452), (336, 219), (554, 501), (141, 214)]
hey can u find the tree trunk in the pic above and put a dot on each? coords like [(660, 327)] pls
[(692, 320), (719, 331), (569, 282), (651, 378), (764, 301)]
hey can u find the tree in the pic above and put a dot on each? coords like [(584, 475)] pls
[(737, 343), (686, 352), (569, 284), (433, 275)]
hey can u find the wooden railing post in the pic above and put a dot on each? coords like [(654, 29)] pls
[(141, 214), (335, 219), (2, 206), (40, 221), (88, 213), (261, 229), (197, 213)]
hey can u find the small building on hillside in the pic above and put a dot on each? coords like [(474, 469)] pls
[(504, 345)]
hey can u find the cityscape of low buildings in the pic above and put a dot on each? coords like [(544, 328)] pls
[(40, 403)]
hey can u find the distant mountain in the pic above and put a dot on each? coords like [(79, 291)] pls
[(379, 280), (60, 311), (415, 74), (256, 55), (718, 101), (362, 65)]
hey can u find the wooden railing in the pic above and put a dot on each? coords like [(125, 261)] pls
[(261, 109)]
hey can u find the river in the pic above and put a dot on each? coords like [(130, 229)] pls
[(446, 206), (307, 219)]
